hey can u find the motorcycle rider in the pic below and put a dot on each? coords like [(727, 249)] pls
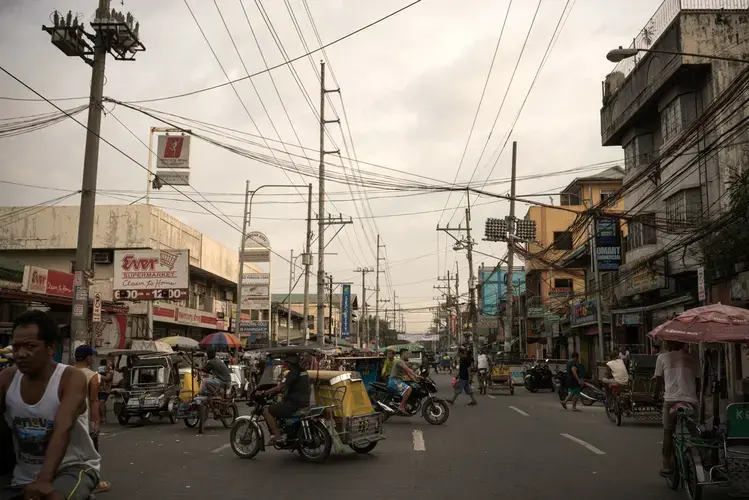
[(483, 365), (616, 371), (296, 387), (220, 372), (396, 381)]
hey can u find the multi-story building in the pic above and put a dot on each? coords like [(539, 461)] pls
[(556, 266), (296, 302), (682, 122), (45, 242), (492, 300)]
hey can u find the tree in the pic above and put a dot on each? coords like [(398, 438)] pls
[(727, 246)]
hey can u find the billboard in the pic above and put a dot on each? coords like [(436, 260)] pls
[(419, 337), (47, 282), (346, 312), (494, 290), (173, 151), (608, 244), (151, 274), (256, 247)]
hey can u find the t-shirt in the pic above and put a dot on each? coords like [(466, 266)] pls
[(387, 367), (483, 362), (218, 369), (571, 380), (679, 370), (297, 387), (618, 371), (464, 367), (399, 369)]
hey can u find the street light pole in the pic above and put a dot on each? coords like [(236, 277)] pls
[(621, 53), (307, 261)]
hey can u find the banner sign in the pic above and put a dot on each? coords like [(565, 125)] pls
[(419, 337), (346, 312), (252, 304), (151, 274), (259, 328), (608, 244), (173, 151), (252, 279), (256, 247), (583, 313), (47, 282)]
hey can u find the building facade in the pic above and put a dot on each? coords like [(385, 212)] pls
[(682, 122), (47, 241)]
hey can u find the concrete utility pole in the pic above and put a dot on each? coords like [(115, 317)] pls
[(364, 271), (446, 290), (321, 212), (330, 309), (291, 284), (597, 274), (473, 310), (511, 256), (377, 294), (117, 34), (307, 262)]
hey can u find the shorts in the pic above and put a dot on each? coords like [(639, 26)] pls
[(669, 420), (463, 385), (398, 386), (73, 482), (574, 391), (282, 410)]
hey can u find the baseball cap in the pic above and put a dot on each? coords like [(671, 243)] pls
[(84, 351)]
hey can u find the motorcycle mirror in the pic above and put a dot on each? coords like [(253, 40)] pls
[(546, 360)]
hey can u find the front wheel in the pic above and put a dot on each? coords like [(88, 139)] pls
[(512, 388), (229, 414), (364, 449), (202, 416), (689, 469), (245, 438), (318, 448), (123, 419), (436, 412), (610, 407)]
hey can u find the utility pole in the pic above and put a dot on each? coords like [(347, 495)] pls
[(448, 300), (597, 273), (377, 294), (307, 262), (473, 310), (117, 34), (330, 310), (395, 312), (458, 314), (511, 255), (364, 271), (288, 311)]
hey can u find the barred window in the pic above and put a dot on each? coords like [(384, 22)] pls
[(671, 122), (641, 231), (684, 209)]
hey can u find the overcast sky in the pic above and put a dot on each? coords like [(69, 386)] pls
[(410, 87)]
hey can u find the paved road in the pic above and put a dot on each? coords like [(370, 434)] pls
[(524, 447)]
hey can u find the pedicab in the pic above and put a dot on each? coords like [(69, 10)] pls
[(710, 454), (636, 398), (499, 378), (342, 409)]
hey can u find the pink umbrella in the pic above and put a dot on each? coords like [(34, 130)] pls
[(713, 323)]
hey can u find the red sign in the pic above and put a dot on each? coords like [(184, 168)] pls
[(47, 282), (173, 147)]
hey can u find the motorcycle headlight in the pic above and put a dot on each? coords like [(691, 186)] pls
[(160, 399)]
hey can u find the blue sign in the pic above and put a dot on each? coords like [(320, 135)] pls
[(346, 312), (494, 289)]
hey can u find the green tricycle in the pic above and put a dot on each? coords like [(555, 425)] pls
[(715, 453)]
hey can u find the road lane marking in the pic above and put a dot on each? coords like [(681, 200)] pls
[(492, 397), (519, 411), (419, 441), (584, 444), (221, 448)]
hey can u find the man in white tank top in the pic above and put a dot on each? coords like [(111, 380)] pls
[(44, 404)]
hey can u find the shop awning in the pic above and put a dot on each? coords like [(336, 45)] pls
[(653, 307)]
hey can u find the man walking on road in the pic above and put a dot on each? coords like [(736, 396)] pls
[(678, 372), (463, 382), (574, 381)]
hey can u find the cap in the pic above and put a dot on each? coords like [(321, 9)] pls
[(84, 351)]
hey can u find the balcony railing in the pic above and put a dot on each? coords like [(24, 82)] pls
[(657, 25)]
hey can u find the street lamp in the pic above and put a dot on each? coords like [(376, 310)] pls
[(621, 53)]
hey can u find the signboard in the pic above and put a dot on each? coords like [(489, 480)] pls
[(178, 178), (256, 327), (559, 291), (701, 284), (494, 287), (151, 274), (251, 304), (256, 247), (346, 311), (256, 291), (96, 314), (173, 152), (608, 244), (252, 279), (583, 313), (419, 337), (166, 312), (47, 282)]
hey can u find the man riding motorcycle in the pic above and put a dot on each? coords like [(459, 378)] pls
[(296, 388)]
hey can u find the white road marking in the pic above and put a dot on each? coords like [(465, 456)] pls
[(519, 411), (419, 441), (492, 397), (221, 448), (584, 444)]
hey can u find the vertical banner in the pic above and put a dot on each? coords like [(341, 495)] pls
[(255, 287), (346, 312), (608, 244)]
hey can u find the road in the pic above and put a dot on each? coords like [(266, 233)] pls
[(524, 447)]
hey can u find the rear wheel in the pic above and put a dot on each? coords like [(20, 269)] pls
[(318, 448), (512, 388), (674, 479), (245, 438), (123, 419), (173, 410), (689, 469), (618, 413), (229, 414), (202, 416), (364, 449), (610, 411)]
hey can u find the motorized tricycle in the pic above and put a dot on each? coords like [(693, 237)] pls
[(636, 398), (154, 388)]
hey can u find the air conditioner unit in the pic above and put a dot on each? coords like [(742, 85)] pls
[(102, 257)]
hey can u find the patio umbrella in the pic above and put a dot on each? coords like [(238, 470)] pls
[(220, 339), (713, 323), (180, 342)]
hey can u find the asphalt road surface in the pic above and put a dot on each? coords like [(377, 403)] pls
[(521, 447)]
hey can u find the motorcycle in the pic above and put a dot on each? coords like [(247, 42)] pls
[(537, 377), (305, 432), (593, 393), (423, 398), (560, 379)]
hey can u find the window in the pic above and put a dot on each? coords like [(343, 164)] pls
[(562, 240), (671, 123), (683, 209), (607, 193), (567, 199), (638, 151), (641, 231), (562, 283)]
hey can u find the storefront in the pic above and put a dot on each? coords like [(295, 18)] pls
[(172, 319), (584, 325), (633, 324)]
